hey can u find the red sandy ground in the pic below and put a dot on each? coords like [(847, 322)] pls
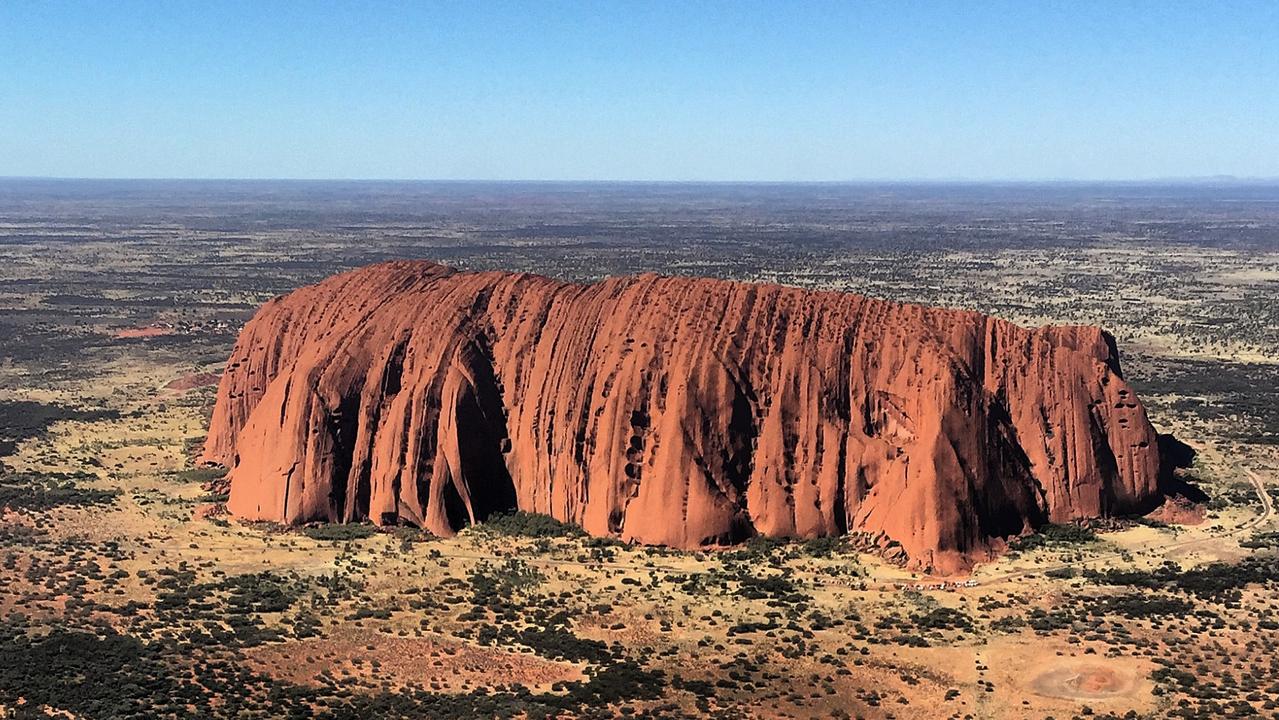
[(405, 661), (143, 332)]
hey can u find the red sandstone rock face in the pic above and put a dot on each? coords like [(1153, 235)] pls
[(677, 411)]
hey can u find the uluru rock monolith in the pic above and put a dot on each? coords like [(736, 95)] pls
[(676, 411)]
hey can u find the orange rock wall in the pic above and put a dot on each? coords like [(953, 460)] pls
[(677, 411)]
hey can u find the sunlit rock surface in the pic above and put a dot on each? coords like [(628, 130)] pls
[(679, 411)]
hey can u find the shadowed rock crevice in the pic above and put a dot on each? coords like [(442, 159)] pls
[(674, 411), (482, 435)]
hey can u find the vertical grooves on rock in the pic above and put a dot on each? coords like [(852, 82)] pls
[(672, 410)]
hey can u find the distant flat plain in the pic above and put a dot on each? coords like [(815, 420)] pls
[(119, 300)]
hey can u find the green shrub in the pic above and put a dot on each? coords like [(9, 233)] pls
[(339, 532), (1054, 536), (200, 475), (534, 525)]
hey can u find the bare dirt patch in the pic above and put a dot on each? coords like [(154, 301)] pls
[(405, 661), (143, 332), (1083, 681)]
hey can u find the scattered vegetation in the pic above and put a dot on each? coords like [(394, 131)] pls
[(25, 419), (39, 492), (1054, 536), (1214, 580)]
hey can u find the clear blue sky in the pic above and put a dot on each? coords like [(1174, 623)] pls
[(787, 90)]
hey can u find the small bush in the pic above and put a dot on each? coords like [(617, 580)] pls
[(534, 525), (338, 532), (201, 474)]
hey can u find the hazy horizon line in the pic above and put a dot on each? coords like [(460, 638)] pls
[(1171, 180)]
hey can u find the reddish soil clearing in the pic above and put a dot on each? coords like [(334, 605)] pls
[(405, 661), (143, 332), (1083, 682)]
